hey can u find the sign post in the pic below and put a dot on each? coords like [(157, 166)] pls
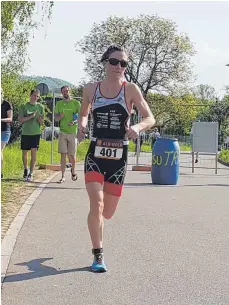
[(205, 139)]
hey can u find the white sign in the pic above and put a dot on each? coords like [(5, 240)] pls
[(205, 137)]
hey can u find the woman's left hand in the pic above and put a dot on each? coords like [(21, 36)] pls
[(132, 132)]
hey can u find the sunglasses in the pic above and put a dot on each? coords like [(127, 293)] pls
[(115, 62)]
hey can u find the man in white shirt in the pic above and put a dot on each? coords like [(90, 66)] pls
[(155, 135)]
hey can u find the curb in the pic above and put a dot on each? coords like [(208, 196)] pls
[(223, 163), (9, 240), (141, 168), (53, 167)]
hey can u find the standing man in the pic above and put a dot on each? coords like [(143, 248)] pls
[(155, 135), (31, 116), (66, 112)]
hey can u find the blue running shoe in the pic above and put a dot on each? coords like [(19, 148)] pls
[(98, 264)]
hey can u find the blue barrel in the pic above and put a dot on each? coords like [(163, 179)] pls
[(165, 161)]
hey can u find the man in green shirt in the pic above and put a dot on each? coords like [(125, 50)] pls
[(31, 116), (66, 112)]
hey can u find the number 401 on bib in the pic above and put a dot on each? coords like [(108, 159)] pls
[(109, 149)]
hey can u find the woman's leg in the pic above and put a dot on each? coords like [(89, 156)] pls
[(110, 205), (95, 224), (95, 216)]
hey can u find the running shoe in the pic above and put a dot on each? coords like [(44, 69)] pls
[(29, 178), (98, 264), (26, 172)]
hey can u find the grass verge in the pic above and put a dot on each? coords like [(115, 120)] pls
[(14, 191), (224, 156)]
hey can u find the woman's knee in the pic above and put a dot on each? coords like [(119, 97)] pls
[(96, 208), (95, 193), (107, 214)]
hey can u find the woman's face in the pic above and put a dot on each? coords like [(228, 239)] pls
[(116, 65)]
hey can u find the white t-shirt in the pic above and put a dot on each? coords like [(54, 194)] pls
[(155, 135)]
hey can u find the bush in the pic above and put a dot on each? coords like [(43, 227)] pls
[(224, 156)]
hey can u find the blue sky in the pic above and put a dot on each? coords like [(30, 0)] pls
[(206, 23)]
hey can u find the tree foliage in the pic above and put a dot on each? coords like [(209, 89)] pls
[(159, 56), (173, 111), (17, 20), (204, 93), (17, 92)]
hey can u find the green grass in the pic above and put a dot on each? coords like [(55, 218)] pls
[(224, 155), (185, 147), (13, 167), (147, 147)]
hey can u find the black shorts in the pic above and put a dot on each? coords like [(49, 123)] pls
[(109, 172), (28, 142)]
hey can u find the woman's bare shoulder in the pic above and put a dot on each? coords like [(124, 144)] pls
[(131, 86), (91, 86)]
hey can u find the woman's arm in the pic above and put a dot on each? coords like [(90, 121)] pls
[(84, 112), (148, 118), (9, 117)]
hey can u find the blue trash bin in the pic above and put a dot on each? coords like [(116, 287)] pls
[(165, 161)]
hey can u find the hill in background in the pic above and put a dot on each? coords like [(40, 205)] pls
[(51, 82)]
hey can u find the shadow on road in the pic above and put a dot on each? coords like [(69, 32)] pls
[(38, 270)]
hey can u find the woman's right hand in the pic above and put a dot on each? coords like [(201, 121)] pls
[(81, 133)]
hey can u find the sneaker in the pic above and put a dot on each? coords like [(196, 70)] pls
[(196, 161), (98, 264), (29, 178), (26, 172)]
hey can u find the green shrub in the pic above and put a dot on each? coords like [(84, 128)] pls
[(224, 155)]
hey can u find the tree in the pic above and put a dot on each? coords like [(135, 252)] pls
[(17, 20), (159, 57), (219, 112), (17, 92), (204, 93), (78, 91), (161, 107), (226, 89), (173, 112)]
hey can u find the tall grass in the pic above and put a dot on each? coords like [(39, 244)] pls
[(224, 155), (13, 167)]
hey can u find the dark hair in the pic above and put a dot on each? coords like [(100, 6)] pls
[(111, 50), (64, 87), (34, 90)]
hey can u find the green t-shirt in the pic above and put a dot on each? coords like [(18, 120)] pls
[(68, 108), (31, 127)]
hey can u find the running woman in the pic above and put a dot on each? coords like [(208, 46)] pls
[(110, 102)]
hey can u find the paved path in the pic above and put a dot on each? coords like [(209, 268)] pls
[(166, 245)]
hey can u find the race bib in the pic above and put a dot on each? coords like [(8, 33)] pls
[(109, 149)]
